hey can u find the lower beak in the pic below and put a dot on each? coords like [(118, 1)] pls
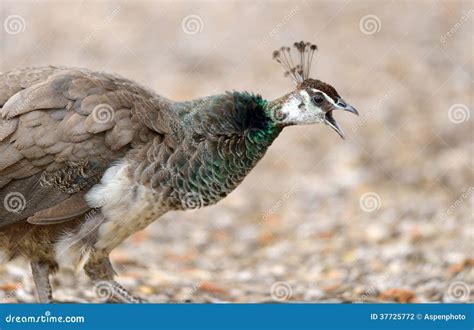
[(329, 119)]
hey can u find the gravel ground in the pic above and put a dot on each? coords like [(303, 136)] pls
[(385, 215)]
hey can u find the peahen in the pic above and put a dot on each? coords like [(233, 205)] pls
[(89, 158)]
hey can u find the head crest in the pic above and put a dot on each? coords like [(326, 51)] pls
[(299, 72)]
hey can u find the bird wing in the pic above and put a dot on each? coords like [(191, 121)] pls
[(60, 129)]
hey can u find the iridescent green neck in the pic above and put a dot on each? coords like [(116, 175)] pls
[(259, 139), (255, 114), (238, 132)]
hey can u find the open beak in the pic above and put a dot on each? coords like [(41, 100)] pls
[(329, 119)]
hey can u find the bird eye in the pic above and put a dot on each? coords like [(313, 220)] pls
[(318, 99)]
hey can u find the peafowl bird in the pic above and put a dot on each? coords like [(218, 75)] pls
[(89, 158)]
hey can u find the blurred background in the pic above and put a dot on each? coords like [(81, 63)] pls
[(386, 215)]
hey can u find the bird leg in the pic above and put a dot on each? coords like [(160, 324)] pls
[(101, 273), (41, 271), (118, 293)]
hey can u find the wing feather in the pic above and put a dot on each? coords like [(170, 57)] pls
[(60, 129)]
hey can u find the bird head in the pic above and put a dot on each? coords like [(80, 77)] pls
[(313, 101)]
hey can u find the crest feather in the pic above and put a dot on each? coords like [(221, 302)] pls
[(301, 71)]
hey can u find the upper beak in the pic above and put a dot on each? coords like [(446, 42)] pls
[(329, 119), (347, 107)]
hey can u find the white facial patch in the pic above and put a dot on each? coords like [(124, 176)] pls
[(290, 110), (300, 110)]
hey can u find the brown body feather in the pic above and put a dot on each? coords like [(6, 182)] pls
[(60, 130)]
